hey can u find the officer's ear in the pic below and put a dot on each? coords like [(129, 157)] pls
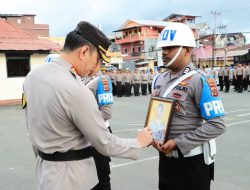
[(83, 51), (188, 51)]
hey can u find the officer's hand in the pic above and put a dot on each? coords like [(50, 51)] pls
[(144, 137), (165, 148), (168, 146), (157, 145)]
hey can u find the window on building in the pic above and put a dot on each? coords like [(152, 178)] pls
[(17, 65), (139, 49), (126, 33), (130, 32), (139, 30), (136, 31), (133, 50), (126, 50)]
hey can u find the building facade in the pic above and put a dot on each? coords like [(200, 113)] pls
[(20, 52), (27, 23)]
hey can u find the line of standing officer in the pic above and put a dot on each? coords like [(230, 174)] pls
[(136, 81), (226, 74)]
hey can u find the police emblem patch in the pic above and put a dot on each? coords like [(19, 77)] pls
[(212, 86), (105, 84)]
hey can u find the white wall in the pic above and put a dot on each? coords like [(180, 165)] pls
[(11, 88)]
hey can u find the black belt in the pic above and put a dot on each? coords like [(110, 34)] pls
[(70, 155)]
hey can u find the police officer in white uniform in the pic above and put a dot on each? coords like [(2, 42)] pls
[(63, 118), (197, 118)]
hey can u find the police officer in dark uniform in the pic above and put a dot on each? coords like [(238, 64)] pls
[(185, 162)]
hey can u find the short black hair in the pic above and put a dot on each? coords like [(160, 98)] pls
[(74, 41)]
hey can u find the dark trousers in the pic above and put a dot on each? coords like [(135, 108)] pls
[(114, 89), (227, 83), (185, 173), (221, 82), (144, 89), (123, 90), (127, 89), (103, 170), (240, 83), (136, 89), (245, 83), (149, 88), (119, 89), (235, 84)]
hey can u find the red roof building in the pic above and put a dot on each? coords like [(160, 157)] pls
[(20, 52), (15, 39), (27, 23)]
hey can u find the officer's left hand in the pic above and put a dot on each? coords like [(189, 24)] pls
[(165, 148), (168, 146)]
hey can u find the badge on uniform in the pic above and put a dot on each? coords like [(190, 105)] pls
[(186, 70)]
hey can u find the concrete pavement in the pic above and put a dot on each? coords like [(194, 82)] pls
[(232, 167)]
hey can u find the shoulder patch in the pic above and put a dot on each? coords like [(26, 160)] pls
[(104, 91), (210, 103)]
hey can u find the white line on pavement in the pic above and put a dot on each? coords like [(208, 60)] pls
[(236, 111), (236, 123), (243, 115), (134, 162)]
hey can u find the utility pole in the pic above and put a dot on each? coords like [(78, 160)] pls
[(214, 37), (223, 27)]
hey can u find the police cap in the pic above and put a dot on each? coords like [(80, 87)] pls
[(95, 37)]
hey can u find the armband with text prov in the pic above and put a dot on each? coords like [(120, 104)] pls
[(104, 91), (210, 102)]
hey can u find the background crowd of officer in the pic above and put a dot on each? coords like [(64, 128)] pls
[(238, 76), (126, 82)]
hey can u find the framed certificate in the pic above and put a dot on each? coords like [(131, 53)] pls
[(159, 117)]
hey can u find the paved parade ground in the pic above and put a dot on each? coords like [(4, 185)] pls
[(232, 167)]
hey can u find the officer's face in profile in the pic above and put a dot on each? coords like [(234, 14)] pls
[(168, 53), (90, 62)]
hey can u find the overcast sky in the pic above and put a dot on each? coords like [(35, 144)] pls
[(63, 15)]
